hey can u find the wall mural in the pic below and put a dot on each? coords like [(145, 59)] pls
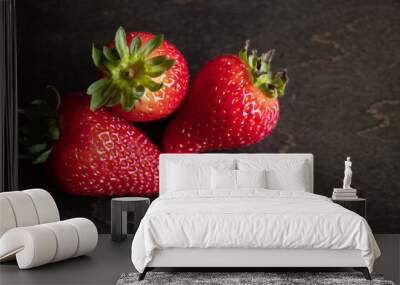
[(92, 145), (202, 87)]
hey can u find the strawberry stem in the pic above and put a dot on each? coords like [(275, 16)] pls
[(128, 72), (271, 83)]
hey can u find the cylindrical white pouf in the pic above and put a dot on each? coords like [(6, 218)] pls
[(23, 208), (7, 218), (33, 246), (37, 245), (87, 233), (45, 205), (67, 240)]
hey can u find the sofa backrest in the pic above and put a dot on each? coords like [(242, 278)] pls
[(26, 208)]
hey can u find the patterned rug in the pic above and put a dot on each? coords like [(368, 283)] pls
[(244, 278)]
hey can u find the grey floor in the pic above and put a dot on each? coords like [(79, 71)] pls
[(110, 260), (103, 266)]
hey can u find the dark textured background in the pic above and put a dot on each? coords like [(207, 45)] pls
[(343, 59)]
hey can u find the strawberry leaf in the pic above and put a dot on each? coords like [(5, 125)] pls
[(37, 148), (151, 45), (138, 92), (267, 91), (43, 157), (243, 55), (156, 60), (99, 97), (120, 43), (110, 54), (38, 128), (114, 100), (262, 79), (96, 56), (157, 70), (150, 84), (97, 86), (128, 103), (135, 44), (98, 100), (264, 68)]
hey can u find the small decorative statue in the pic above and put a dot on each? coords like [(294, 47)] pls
[(347, 174)]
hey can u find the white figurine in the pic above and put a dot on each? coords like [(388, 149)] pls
[(347, 174)]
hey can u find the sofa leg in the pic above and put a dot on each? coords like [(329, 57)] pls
[(364, 271), (143, 274)]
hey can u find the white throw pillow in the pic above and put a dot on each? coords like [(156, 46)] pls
[(181, 178), (251, 178), (289, 175), (224, 179), (292, 179)]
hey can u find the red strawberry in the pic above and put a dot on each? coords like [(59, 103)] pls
[(144, 77), (232, 102), (99, 153)]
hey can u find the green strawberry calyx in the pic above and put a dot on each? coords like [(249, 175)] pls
[(128, 71), (39, 128), (272, 84)]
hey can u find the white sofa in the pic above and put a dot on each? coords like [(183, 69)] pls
[(31, 231)]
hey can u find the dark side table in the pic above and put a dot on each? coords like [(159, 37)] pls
[(119, 215), (358, 206)]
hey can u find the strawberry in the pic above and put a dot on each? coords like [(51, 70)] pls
[(144, 77), (232, 102), (98, 153)]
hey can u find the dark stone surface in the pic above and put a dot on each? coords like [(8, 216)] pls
[(343, 60)]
